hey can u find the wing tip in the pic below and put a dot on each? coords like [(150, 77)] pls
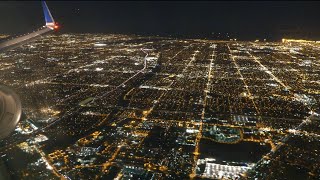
[(47, 16)]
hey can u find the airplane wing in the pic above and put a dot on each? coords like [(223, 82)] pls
[(10, 105), (20, 40), (48, 17)]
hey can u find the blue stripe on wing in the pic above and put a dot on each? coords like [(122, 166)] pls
[(46, 12)]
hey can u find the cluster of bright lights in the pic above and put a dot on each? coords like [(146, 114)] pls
[(298, 41)]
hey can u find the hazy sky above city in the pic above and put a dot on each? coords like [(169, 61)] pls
[(246, 19)]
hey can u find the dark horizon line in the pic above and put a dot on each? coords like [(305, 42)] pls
[(276, 37)]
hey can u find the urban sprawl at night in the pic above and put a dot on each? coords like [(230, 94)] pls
[(112, 106)]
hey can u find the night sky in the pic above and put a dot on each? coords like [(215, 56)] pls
[(243, 20)]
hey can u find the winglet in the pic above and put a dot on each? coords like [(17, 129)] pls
[(48, 17)]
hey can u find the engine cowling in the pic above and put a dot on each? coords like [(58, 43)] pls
[(10, 111)]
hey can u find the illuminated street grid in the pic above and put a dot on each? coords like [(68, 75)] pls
[(118, 106)]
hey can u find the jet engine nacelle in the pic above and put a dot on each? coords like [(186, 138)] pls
[(10, 111)]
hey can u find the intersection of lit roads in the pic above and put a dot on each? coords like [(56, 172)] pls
[(117, 106)]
